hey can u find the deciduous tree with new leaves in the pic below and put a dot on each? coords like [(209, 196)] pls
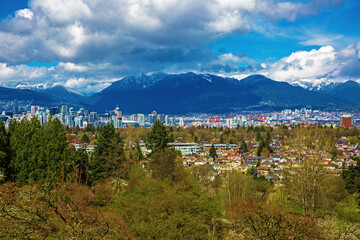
[(60, 211), (305, 180)]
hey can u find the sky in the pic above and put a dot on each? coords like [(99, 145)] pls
[(88, 44)]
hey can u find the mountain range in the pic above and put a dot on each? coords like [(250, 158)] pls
[(62, 93), (194, 93)]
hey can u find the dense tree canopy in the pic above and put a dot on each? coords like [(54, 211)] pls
[(155, 209), (4, 152), (49, 190), (39, 153), (65, 211), (351, 176)]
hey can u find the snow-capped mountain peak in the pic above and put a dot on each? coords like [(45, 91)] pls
[(139, 81), (312, 84)]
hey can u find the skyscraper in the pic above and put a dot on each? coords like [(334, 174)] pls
[(346, 121), (172, 121), (16, 106), (64, 110), (141, 119), (181, 122), (33, 110), (151, 118)]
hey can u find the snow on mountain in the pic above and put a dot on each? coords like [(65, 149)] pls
[(46, 87), (312, 84), (138, 81), (34, 86)]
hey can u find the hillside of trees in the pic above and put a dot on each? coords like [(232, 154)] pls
[(50, 190)]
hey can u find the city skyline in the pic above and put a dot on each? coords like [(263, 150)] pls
[(80, 117), (86, 45)]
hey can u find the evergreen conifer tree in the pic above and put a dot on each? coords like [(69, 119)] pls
[(4, 152), (212, 152), (108, 155), (158, 138)]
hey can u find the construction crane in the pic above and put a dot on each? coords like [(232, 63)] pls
[(211, 119), (261, 117), (251, 117), (29, 105), (217, 118), (231, 116)]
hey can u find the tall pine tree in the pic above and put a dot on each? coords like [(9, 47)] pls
[(108, 155), (4, 153), (158, 138)]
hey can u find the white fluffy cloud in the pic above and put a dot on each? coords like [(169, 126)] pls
[(62, 11), (324, 63), (303, 64), (88, 86), (25, 13), (72, 67), (21, 72)]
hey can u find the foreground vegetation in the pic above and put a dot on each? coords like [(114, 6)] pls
[(50, 190)]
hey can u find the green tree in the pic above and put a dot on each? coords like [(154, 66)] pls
[(21, 148), (4, 153), (258, 138), (137, 153), (57, 151), (90, 128), (162, 164), (243, 146), (158, 138), (305, 179), (108, 156), (62, 211), (80, 166), (202, 173), (38, 152), (261, 220), (268, 138), (251, 171), (85, 138), (156, 209), (212, 152), (261, 147), (351, 176), (237, 185)]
